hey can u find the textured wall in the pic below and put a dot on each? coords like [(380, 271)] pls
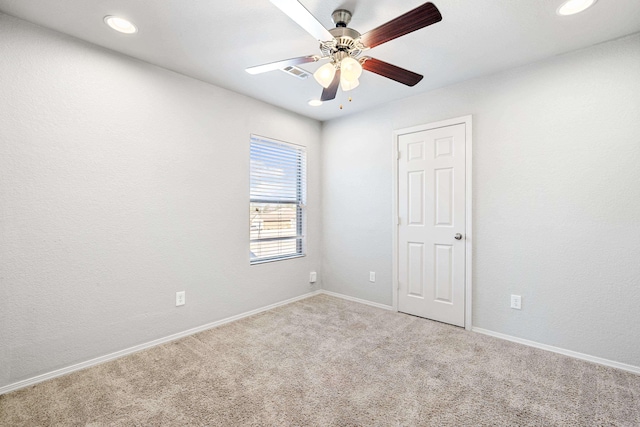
[(556, 198), (120, 184)]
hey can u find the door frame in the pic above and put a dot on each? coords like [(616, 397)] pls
[(467, 121)]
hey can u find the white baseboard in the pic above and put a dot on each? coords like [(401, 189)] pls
[(354, 299), (139, 347), (102, 359), (570, 353)]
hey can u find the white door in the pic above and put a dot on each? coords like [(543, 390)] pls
[(431, 230)]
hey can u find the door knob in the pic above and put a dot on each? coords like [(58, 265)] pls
[(458, 236)]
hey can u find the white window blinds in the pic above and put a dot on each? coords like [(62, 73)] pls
[(277, 200)]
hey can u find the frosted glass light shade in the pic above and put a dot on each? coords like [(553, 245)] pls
[(324, 75), (350, 69), (349, 85)]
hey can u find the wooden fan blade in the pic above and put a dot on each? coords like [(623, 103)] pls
[(281, 64), (330, 93), (301, 16), (390, 71), (413, 20)]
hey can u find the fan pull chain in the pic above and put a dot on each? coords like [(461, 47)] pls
[(342, 106)]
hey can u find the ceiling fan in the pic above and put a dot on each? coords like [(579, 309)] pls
[(343, 46)]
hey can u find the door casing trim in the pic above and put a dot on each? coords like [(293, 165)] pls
[(467, 121)]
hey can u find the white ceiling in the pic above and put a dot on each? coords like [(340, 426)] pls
[(215, 40)]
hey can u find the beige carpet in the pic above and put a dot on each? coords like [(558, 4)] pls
[(328, 362)]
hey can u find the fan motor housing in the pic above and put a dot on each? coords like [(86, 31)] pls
[(345, 41)]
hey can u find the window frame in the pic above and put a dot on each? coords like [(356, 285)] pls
[(301, 202)]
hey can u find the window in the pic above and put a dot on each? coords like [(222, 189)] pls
[(277, 200)]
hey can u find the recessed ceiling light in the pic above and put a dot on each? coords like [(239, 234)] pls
[(571, 7), (120, 24), (315, 102)]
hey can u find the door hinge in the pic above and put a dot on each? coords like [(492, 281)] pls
[(398, 155), (398, 221)]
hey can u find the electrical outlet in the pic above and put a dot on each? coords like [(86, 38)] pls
[(516, 302), (313, 277), (180, 298), (372, 276)]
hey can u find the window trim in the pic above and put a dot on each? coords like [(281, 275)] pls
[(276, 259)]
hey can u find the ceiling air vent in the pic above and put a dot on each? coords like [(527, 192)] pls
[(296, 72)]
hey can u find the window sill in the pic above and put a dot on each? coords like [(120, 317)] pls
[(265, 261)]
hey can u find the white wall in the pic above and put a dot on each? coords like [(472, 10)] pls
[(556, 199), (120, 184)]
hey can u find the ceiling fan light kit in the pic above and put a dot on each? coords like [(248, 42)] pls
[(351, 71), (342, 47)]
